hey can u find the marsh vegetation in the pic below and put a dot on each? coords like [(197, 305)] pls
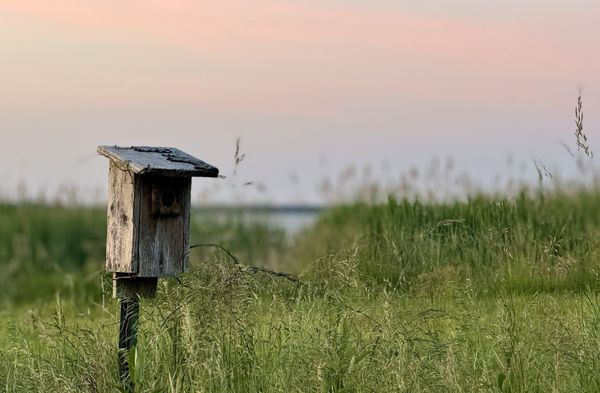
[(483, 295)]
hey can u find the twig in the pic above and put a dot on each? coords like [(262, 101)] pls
[(250, 269), (233, 257), (257, 269)]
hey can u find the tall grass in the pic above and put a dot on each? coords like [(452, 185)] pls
[(488, 295), (537, 244)]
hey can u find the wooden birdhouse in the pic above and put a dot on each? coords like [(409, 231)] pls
[(149, 192)]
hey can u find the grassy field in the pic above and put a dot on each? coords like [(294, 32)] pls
[(487, 295)]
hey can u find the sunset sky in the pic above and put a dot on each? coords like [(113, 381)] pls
[(310, 86)]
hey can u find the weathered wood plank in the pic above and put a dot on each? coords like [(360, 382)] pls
[(163, 161), (122, 217), (187, 208), (163, 239)]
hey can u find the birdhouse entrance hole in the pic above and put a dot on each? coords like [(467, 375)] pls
[(167, 196)]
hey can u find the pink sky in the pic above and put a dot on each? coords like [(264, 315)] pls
[(387, 78)]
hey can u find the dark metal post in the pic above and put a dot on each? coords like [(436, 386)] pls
[(128, 320)]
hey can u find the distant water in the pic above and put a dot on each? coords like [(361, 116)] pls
[(292, 219)]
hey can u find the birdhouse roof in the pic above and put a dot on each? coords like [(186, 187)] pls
[(160, 161)]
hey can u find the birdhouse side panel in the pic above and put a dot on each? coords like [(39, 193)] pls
[(164, 225), (122, 217)]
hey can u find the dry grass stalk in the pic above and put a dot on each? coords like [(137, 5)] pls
[(581, 137)]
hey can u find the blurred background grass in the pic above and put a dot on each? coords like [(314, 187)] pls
[(551, 241)]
